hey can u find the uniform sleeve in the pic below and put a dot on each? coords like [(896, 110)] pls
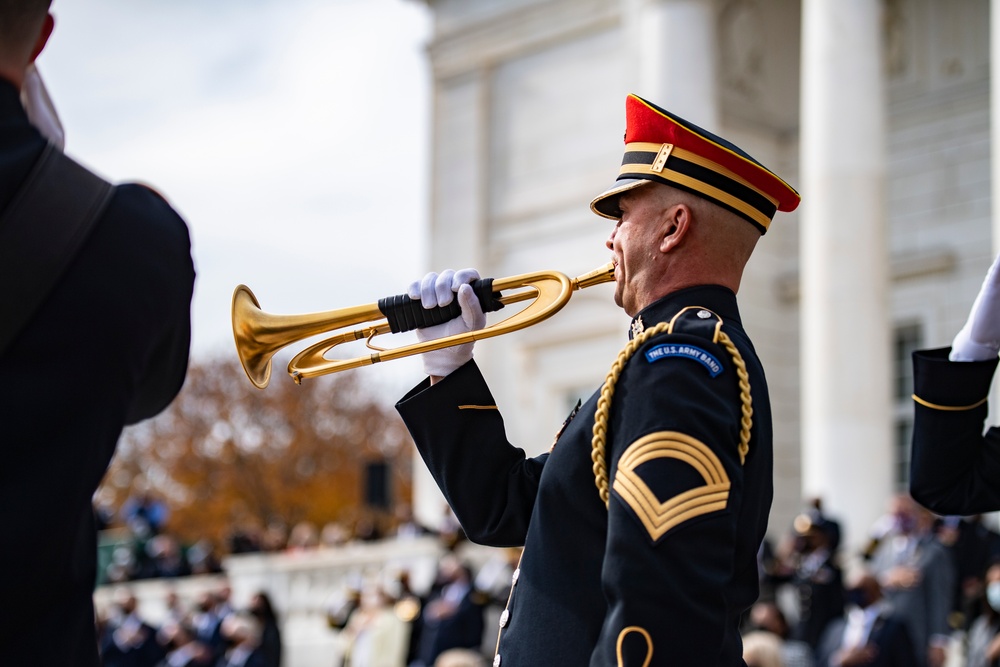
[(677, 485), (458, 430), (169, 278), (954, 469)]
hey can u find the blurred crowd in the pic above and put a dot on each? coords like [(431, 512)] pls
[(381, 624), (452, 624), (924, 591), (208, 633), (142, 547)]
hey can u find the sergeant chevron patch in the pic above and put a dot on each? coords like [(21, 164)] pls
[(659, 517)]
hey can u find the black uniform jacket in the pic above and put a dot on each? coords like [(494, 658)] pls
[(108, 347), (954, 469), (670, 565)]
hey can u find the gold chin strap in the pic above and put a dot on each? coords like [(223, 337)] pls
[(597, 453)]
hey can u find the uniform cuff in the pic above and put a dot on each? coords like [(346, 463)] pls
[(942, 384)]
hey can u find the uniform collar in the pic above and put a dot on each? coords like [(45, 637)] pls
[(720, 300)]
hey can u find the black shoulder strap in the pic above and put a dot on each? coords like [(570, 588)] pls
[(41, 231)]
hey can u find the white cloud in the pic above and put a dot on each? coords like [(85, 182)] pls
[(291, 134)]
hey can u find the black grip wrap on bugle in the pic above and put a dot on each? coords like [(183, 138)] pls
[(406, 314)]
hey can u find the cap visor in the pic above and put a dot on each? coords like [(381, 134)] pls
[(606, 203)]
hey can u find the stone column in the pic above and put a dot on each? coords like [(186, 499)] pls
[(847, 434), (673, 52)]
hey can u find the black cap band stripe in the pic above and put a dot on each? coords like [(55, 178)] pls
[(645, 153), (671, 177)]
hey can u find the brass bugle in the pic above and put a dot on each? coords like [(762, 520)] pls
[(260, 335)]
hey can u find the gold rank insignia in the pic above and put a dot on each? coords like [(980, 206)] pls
[(660, 516), (637, 327)]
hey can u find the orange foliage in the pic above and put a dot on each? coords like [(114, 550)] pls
[(226, 455)]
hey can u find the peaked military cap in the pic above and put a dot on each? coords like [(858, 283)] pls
[(664, 148)]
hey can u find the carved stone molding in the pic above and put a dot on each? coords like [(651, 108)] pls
[(904, 266), (742, 47)]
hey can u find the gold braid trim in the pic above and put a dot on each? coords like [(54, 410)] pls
[(597, 452), (948, 408), (746, 422), (645, 635)]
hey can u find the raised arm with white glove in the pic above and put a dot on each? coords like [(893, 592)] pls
[(438, 290), (979, 339)]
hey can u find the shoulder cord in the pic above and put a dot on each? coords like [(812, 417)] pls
[(597, 453)]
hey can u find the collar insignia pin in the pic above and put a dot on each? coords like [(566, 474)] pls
[(637, 326)]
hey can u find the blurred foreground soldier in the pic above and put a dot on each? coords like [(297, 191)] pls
[(649, 556), (955, 469), (94, 335)]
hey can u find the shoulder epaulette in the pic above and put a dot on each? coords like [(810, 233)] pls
[(697, 321)]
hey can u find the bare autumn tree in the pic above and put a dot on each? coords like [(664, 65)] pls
[(226, 455)]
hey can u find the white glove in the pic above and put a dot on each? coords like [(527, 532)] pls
[(979, 339), (439, 290), (38, 105)]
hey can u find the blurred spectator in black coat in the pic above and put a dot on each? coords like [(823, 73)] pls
[(812, 569), (870, 634), (167, 557), (207, 624), (825, 523), (452, 616), (182, 647), (270, 638), (242, 634), (973, 547), (128, 640)]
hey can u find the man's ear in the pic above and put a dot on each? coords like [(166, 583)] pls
[(676, 225), (43, 37)]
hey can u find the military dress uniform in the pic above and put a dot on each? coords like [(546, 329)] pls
[(955, 469), (669, 565), (641, 525)]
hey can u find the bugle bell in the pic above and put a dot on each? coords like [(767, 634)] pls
[(260, 335)]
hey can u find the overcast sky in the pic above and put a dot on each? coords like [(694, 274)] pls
[(292, 135)]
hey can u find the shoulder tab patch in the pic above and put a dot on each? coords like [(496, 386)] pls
[(697, 321), (703, 357)]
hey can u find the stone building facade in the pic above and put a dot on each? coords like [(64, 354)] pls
[(877, 111)]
